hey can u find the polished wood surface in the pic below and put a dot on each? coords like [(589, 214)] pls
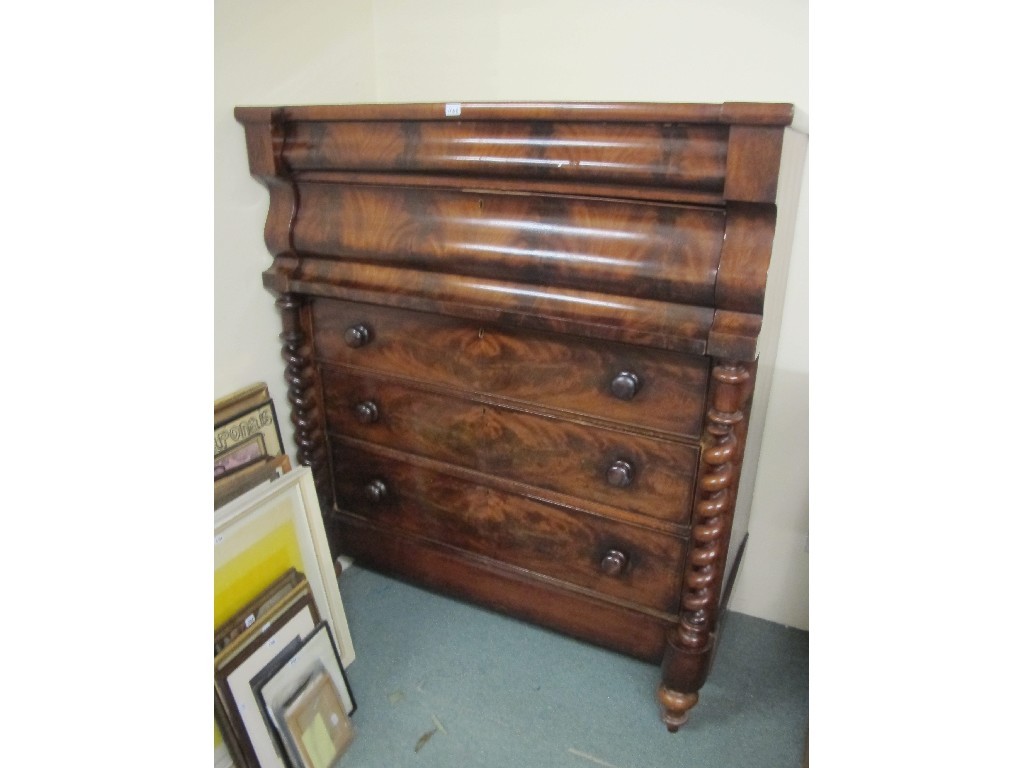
[(521, 342), (532, 448), (535, 534), (679, 155), (662, 252), (568, 374)]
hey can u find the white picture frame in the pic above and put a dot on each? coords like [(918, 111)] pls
[(291, 501)]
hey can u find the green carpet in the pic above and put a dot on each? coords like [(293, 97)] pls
[(442, 683)]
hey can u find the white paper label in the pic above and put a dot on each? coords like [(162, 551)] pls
[(250, 620), (452, 110)]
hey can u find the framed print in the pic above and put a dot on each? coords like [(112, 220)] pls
[(262, 534), (243, 454), (257, 609), (316, 723), (261, 420), (316, 651), (234, 484), (228, 407), (243, 658), (227, 751)]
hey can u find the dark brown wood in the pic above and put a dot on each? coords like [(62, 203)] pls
[(538, 535), (568, 374), (690, 645), (660, 252), (729, 113), (529, 447), (521, 343), (307, 415), (622, 626)]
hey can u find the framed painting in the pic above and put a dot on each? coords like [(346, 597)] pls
[(316, 724), (263, 533), (242, 660)]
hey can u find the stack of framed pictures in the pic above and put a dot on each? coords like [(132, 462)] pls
[(247, 446), (281, 639)]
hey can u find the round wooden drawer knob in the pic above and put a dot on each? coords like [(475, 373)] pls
[(357, 336), (626, 385), (620, 474), (376, 491), (614, 562), (367, 413)]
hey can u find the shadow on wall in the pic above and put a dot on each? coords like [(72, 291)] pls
[(773, 578)]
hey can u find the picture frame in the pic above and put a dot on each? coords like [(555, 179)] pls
[(316, 651), (259, 608), (239, 401), (243, 658), (260, 420), (316, 724), (279, 681), (242, 480), (241, 455), (227, 751), (264, 532)]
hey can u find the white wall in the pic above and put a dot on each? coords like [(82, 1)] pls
[(460, 50), (268, 53)]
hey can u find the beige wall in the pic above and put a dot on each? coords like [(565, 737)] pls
[(459, 50)]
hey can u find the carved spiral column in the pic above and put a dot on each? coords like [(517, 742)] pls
[(304, 396), (691, 642)]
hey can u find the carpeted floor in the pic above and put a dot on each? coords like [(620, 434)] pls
[(443, 683)]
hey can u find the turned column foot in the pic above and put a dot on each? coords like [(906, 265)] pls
[(675, 707)]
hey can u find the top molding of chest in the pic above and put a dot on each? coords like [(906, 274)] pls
[(324, 165)]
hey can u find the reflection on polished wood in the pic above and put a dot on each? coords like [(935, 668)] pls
[(521, 343)]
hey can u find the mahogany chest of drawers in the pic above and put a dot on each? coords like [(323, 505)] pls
[(521, 343)]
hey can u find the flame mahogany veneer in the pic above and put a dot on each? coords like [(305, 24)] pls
[(521, 342)]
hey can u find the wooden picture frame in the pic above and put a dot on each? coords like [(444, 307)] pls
[(241, 481), (243, 658), (316, 724), (258, 421), (239, 401), (316, 651), (263, 533), (239, 456), (279, 681), (259, 608)]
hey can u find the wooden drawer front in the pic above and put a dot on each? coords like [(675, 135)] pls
[(571, 374), (654, 251), (686, 156), (563, 456), (544, 538)]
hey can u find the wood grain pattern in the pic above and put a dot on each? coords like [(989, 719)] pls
[(541, 537), (566, 373), (660, 252), (672, 154), (532, 448), (665, 325), (550, 303), (729, 113), (690, 645), (623, 627)]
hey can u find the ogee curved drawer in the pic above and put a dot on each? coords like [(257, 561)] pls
[(625, 561), (654, 251), (629, 385), (646, 475)]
